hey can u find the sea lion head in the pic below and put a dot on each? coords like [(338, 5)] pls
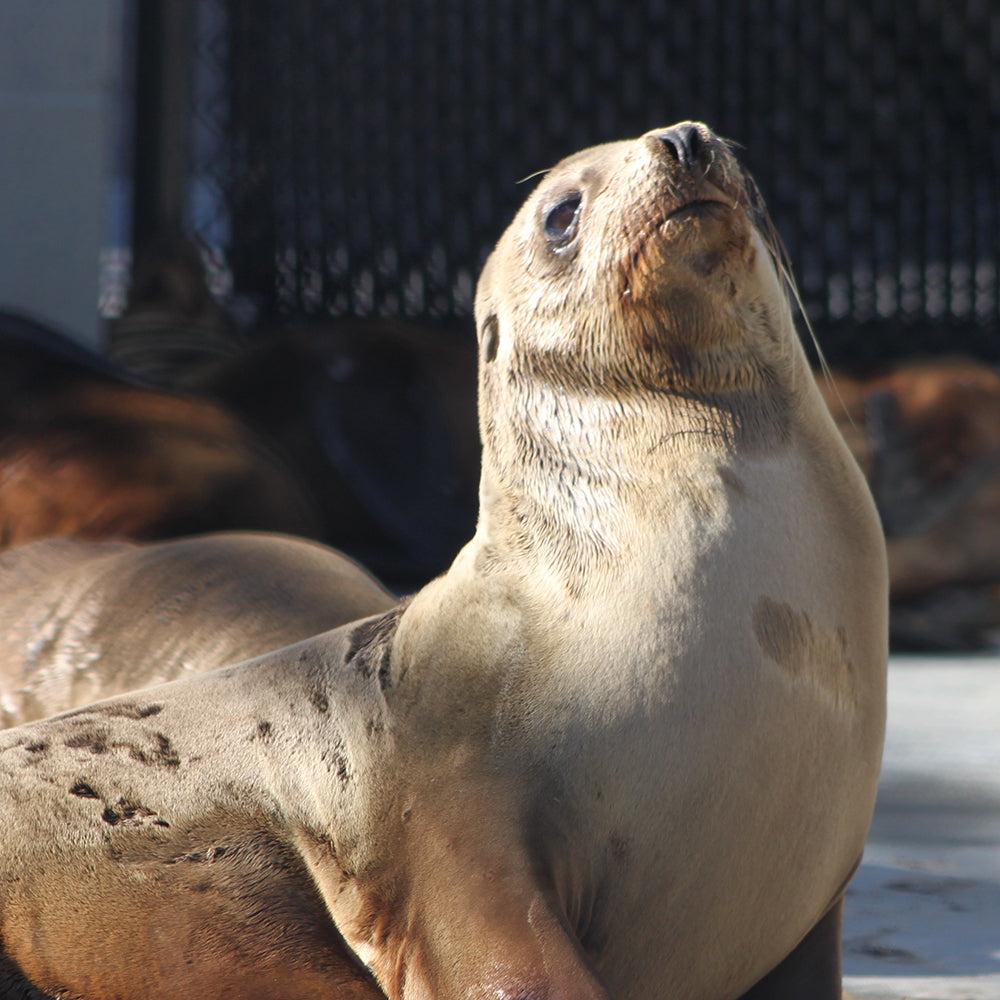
[(635, 259), (637, 300)]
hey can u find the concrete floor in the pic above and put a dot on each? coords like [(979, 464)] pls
[(922, 918)]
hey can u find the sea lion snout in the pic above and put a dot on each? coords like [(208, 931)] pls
[(697, 172), (695, 162), (684, 142)]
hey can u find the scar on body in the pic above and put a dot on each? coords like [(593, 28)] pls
[(789, 638)]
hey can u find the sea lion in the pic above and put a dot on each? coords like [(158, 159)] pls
[(627, 746), (378, 418), (927, 434), (87, 452), (172, 325), (81, 621)]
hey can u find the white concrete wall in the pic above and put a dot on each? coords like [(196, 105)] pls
[(60, 67)]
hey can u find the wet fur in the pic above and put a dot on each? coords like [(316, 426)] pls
[(81, 621)]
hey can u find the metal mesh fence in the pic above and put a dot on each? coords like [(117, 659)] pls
[(362, 158)]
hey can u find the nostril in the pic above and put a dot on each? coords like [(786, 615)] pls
[(684, 143)]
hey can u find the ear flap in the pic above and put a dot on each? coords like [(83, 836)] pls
[(489, 338)]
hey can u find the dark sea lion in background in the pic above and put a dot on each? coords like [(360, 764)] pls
[(81, 621), (378, 418), (626, 747)]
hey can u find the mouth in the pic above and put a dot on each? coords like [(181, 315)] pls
[(700, 208)]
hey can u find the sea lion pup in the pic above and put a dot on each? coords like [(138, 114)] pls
[(626, 747), (81, 621)]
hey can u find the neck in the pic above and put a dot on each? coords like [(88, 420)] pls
[(576, 456)]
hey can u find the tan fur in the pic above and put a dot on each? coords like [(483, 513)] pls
[(80, 621), (571, 767)]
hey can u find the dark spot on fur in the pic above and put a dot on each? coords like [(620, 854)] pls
[(161, 822), (384, 677), (319, 701), (94, 742), (620, 848), (370, 648), (84, 791), (264, 732), (335, 758), (40, 747), (194, 856), (490, 338), (127, 813), (160, 754), (165, 753), (100, 740), (198, 857)]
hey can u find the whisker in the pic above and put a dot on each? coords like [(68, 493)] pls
[(530, 177), (782, 262)]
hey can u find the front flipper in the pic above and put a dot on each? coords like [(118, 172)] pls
[(812, 970)]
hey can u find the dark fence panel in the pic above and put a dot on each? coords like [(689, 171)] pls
[(367, 155)]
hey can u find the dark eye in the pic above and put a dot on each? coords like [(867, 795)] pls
[(560, 223)]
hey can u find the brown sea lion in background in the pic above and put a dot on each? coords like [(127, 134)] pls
[(376, 417), (81, 621), (626, 746), (927, 434), (84, 452)]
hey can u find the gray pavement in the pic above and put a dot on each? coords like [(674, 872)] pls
[(922, 918)]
